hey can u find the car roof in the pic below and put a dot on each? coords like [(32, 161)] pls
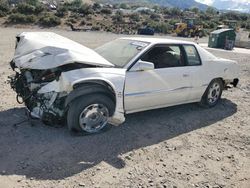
[(157, 40)]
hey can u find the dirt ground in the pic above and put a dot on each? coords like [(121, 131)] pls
[(181, 146)]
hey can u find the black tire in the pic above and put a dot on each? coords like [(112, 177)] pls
[(77, 106), (212, 96)]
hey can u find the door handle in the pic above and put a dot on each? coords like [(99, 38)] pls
[(185, 75)]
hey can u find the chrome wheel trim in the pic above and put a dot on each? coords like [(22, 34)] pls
[(214, 92), (93, 118)]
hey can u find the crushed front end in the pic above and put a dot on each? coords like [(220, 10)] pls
[(46, 106), (47, 66)]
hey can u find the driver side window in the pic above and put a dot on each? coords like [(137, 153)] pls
[(165, 56)]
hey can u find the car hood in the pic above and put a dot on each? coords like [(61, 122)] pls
[(47, 50)]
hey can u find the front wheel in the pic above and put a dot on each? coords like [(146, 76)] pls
[(212, 94), (90, 113)]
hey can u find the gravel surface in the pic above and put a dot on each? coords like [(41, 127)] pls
[(181, 146)]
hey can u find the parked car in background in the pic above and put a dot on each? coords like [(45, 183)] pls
[(146, 31), (57, 78)]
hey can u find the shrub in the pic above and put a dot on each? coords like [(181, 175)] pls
[(49, 20), (135, 17), (211, 11), (32, 2), (161, 27), (39, 8), (155, 17), (173, 22), (96, 28), (18, 18), (76, 3), (31, 19), (85, 9), (124, 6), (248, 25), (71, 20), (175, 11), (166, 11), (4, 6), (2, 14), (212, 25), (106, 11), (83, 22), (118, 17), (74, 15), (96, 6), (89, 18), (25, 8), (61, 11)]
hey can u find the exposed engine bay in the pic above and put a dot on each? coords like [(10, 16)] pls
[(46, 106)]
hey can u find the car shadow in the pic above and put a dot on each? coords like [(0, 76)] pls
[(44, 152)]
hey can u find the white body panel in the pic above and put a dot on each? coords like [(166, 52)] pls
[(147, 89), (112, 76), (46, 50), (164, 87), (134, 90)]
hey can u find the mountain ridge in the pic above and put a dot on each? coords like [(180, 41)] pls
[(239, 5), (182, 4)]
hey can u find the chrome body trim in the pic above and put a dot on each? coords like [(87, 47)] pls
[(155, 91)]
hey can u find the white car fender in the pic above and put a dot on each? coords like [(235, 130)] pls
[(112, 76)]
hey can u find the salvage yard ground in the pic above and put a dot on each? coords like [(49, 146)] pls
[(181, 146)]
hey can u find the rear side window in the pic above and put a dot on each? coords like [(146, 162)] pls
[(193, 57)]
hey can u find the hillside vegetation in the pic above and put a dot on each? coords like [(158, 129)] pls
[(117, 18)]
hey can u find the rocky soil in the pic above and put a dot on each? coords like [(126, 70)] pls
[(181, 146)]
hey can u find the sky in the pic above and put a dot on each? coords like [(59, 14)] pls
[(209, 2)]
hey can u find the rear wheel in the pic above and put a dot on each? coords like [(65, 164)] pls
[(212, 94), (90, 113)]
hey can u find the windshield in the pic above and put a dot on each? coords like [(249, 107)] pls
[(120, 51)]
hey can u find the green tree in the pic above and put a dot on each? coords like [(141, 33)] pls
[(211, 11), (124, 6), (195, 10), (175, 11)]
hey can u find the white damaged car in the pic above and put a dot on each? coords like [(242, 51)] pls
[(58, 79)]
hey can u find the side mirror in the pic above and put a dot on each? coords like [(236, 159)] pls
[(143, 66)]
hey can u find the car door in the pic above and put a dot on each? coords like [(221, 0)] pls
[(196, 72), (165, 85)]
